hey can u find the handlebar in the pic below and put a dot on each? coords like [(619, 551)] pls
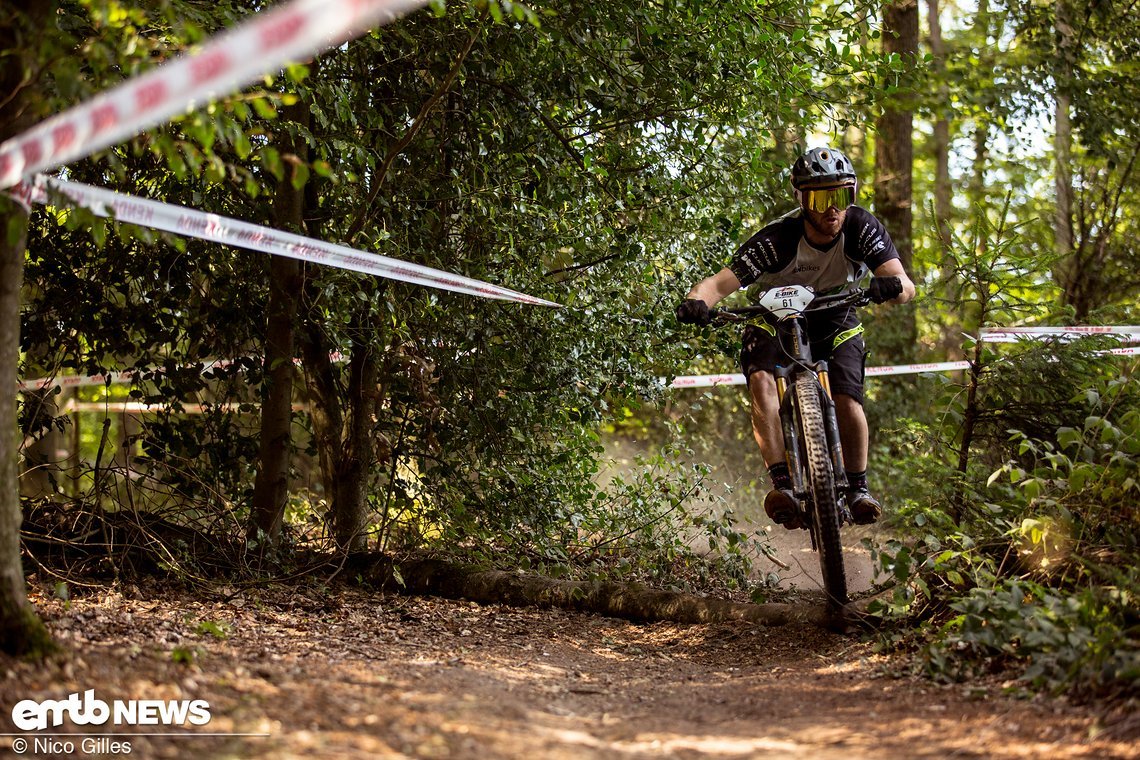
[(857, 298)]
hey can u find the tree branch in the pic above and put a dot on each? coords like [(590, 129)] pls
[(413, 130)]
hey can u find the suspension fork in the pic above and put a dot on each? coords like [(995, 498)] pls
[(790, 428), (793, 336), (831, 422)]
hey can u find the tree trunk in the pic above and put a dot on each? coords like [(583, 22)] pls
[(21, 631), (324, 404), (895, 147), (627, 601), (893, 333), (271, 486), (950, 338), (894, 160), (41, 444), (350, 509), (343, 429), (1063, 134), (1074, 271), (941, 145), (976, 188), (855, 136)]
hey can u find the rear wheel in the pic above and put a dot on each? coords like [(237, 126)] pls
[(825, 515)]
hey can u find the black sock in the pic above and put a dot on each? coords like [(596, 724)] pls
[(857, 480), (781, 478)]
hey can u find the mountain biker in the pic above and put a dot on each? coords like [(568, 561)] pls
[(830, 244)]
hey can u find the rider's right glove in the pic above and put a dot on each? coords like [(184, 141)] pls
[(694, 311), (883, 289)]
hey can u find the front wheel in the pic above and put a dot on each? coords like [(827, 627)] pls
[(825, 515)]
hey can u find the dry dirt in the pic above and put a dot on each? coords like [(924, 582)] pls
[(344, 673)]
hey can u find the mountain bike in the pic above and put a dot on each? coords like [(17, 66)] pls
[(808, 420)]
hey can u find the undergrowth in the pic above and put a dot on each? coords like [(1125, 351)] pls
[(1024, 566)]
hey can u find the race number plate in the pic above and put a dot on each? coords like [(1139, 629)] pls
[(788, 300)]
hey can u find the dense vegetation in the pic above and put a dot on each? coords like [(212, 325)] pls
[(603, 156)]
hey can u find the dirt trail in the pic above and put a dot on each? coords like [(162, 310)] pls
[(793, 548), (347, 674)]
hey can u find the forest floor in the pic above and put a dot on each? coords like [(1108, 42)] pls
[(338, 672)]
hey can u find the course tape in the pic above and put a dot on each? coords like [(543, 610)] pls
[(705, 381), (221, 229), (1126, 333), (228, 62), (686, 381), (76, 381), (107, 378), (708, 381)]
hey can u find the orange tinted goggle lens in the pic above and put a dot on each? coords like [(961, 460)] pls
[(821, 199)]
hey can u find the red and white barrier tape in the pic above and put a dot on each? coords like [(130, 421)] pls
[(1126, 333), (705, 381), (220, 229), (109, 378), (912, 369), (708, 381), (75, 381), (228, 62), (686, 381)]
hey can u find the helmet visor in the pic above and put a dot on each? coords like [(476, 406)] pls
[(821, 199)]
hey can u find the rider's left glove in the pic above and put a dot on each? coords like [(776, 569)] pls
[(883, 289), (694, 311)]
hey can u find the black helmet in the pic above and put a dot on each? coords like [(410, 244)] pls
[(822, 166)]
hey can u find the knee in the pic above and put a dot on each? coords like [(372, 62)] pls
[(762, 385), (762, 388), (847, 405)]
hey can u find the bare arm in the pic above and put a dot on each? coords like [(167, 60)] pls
[(894, 268), (714, 289)]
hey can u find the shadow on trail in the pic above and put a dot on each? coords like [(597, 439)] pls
[(340, 673)]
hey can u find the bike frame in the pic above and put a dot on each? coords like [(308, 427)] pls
[(787, 309), (790, 421), (789, 319)]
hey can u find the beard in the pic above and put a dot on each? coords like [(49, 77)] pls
[(828, 224)]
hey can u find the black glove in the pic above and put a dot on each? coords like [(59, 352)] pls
[(694, 311), (883, 289)]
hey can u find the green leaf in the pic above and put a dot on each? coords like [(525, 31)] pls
[(271, 160), (300, 174), (242, 146), (323, 169), (264, 108)]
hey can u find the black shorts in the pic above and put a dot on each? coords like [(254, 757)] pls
[(835, 336)]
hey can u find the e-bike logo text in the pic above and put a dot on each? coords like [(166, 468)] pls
[(30, 715)]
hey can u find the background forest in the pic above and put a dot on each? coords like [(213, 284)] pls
[(603, 156)]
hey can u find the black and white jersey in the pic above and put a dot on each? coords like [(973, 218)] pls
[(779, 254)]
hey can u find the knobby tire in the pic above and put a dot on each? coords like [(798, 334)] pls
[(821, 483)]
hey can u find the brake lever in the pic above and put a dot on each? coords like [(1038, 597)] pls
[(719, 316)]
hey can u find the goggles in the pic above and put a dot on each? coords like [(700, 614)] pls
[(822, 198)]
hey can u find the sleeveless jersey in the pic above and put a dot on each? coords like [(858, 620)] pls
[(779, 254)]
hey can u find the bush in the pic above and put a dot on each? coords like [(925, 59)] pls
[(1036, 579)]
